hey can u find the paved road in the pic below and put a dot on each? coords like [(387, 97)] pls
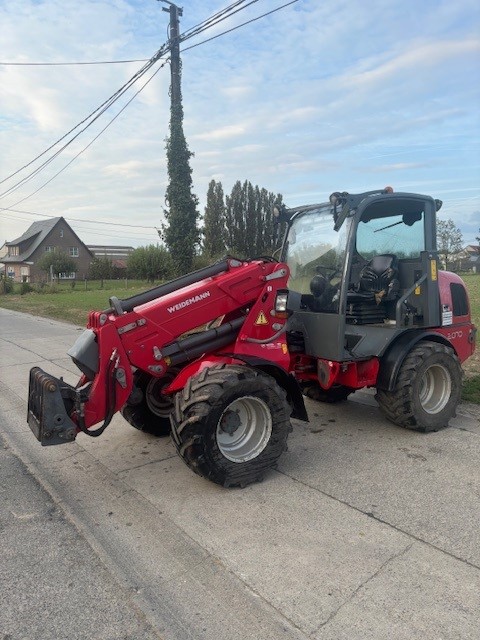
[(365, 531)]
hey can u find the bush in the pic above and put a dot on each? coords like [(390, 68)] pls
[(6, 285), (25, 288)]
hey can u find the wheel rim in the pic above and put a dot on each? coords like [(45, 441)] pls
[(435, 389), (244, 429), (159, 404)]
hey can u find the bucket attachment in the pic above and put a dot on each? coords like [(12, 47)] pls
[(50, 401)]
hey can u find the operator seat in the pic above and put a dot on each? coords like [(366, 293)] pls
[(378, 283)]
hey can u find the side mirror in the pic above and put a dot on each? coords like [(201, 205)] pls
[(281, 213), (410, 218)]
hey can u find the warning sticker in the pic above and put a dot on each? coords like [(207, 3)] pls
[(262, 318)]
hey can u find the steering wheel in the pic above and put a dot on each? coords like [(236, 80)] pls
[(328, 273)]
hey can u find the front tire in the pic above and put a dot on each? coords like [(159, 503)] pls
[(230, 424), (149, 409), (427, 391)]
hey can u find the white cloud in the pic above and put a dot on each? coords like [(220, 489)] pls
[(222, 133)]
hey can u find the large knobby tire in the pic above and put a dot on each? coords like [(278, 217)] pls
[(230, 424), (427, 391), (148, 409), (336, 393)]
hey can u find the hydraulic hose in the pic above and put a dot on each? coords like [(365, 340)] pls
[(111, 397)]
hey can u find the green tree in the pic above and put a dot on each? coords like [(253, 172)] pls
[(101, 268), (151, 263), (57, 262), (214, 222), (234, 218), (180, 232), (251, 230), (449, 240)]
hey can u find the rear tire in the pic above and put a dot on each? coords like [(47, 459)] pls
[(427, 391), (231, 424), (151, 413)]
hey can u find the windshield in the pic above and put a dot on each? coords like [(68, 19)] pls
[(315, 254)]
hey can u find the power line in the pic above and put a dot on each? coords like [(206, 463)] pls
[(99, 111), (217, 18), (240, 25), (68, 64), (100, 62), (110, 224), (207, 24), (32, 175), (79, 229), (212, 21)]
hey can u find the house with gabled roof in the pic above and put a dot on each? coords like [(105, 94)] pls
[(53, 234), (468, 259)]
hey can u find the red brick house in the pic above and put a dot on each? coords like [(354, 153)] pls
[(54, 234)]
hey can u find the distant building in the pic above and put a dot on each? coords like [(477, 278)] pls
[(54, 234), (116, 253), (468, 259)]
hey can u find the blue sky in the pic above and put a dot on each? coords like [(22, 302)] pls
[(318, 97)]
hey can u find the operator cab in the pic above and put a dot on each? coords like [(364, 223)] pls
[(358, 264)]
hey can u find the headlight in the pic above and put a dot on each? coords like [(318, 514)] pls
[(281, 302)]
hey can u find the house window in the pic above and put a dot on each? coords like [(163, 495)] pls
[(48, 249), (73, 252), (67, 276), (61, 233)]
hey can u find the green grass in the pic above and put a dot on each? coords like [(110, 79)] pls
[(473, 285), (471, 383), (471, 389), (71, 305)]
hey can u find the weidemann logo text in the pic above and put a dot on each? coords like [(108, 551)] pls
[(188, 302)]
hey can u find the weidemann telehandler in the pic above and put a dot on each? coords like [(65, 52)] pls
[(220, 357)]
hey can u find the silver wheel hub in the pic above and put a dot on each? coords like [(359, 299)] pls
[(244, 429), (435, 389)]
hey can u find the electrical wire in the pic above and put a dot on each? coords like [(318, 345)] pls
[(216, 19), (68, 64), (88, 145), (207, 24), (99, 111), (115, 224), (100, 62), (219, 17), (238, 26)]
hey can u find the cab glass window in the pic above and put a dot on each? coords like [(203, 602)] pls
[(400, 234)]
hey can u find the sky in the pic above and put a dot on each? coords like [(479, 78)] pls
[(320, 96)]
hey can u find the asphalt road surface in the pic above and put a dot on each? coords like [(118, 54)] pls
[(365, 530)]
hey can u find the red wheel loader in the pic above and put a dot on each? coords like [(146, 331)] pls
[(221, 358)]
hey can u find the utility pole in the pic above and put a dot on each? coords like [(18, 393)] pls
[(180, 230), (175, 67)]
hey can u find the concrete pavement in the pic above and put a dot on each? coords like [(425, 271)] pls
[(365, 531)]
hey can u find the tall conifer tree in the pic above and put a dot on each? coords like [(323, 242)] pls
[(180, 232), (214, 222)]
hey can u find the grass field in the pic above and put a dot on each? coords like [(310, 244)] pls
[(471, 384), (73, 304)]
